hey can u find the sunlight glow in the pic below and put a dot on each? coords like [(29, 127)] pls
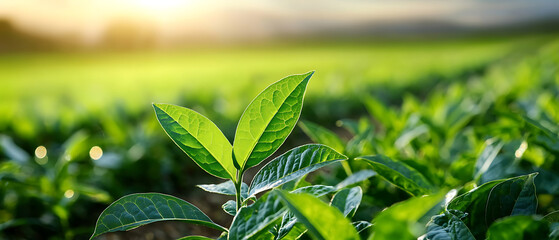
[(520, 151), (157, 5), (96, 152), (69, 193), (41, 152)]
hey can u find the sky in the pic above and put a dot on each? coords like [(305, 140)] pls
[(174, 21)]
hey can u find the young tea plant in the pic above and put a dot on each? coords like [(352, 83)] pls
[(262, 129)]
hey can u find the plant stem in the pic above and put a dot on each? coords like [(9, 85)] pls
[(347, 168), (238, 186)]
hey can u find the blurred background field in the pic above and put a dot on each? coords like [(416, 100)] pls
[(77, 80)]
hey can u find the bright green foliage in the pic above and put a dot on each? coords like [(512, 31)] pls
[(347, 200), (322, 135), (328, 224), (290, 226), (225, 188), (518, 228), (494, 200), (458, 127), (486, 158), (355, 178), (552, 217), (253, 221), (448, 226), (548, 139), (135, 210), (230, 207), (399, 174), (400, 221), (457, 136), (264, 126), (269, 119), (315, 190), (554, 235), (294, 231), (199, 138), (497, 160), (293, 164), (361, 226)]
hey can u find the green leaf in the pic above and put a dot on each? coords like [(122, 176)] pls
[(355, 178), (554, 231), (139, 209), (199, 138), (322, 135), (230, 207), (223, 236), (292, 165), (385, 115), (552, 217), (549, 139), (13, 151), (399, 174), (269, 119), (361, 226), (448, 226), (518, 228), (315, 190), (350, 125), (295, 232), (226, 188), (400, 221), (321, 220), (498, 160), (288, 223), (494, 200), (409, 134), (253, 221), (487, 157), (347, 200), (361, 143)]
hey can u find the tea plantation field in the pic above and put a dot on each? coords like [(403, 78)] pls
[(469, 119)]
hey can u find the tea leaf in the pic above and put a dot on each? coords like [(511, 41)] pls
[(518, 228), (329, 224), (447, 226), (361, 226), (315, 190), (552, 217), (289, 220), (269, 119), (400, 221), (225, 188), (230, 207), (399, 174), (199, 138), (139, 209), (355, 178), (293, 164), (252, 221), (494, 200), (347, 200), (322, 135)]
